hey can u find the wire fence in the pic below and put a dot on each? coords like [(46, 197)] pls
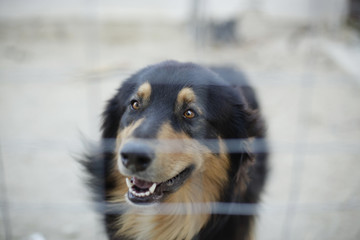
[(298, 148)]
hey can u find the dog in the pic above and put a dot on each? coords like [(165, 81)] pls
[(167, 163)]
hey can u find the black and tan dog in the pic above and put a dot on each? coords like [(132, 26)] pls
[(168, 143)]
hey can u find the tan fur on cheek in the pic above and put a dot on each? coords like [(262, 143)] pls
[(175, 152), (117, 195)]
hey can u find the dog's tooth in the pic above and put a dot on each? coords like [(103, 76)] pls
[(152, 188), (147, 193), (128, 183)]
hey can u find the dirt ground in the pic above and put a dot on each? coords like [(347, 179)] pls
[(56, 77)]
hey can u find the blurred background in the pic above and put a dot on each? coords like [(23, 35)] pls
[(61, 60)]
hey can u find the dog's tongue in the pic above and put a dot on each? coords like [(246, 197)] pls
[(141, 183)]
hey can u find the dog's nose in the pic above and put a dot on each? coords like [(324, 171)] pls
[(136, 156)]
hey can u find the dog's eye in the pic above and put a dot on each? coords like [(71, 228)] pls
[(135, 105), (189, 114)]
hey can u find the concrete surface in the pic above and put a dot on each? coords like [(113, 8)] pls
[(53, 89)]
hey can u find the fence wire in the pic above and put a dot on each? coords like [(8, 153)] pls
[(182, 208), (299, 149), (351, 147)]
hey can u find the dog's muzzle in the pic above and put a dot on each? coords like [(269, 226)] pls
[(136, 158)]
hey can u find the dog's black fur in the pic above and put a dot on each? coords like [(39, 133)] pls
[(231, 111)]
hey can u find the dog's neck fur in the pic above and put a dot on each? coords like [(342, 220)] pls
[(144, 224)]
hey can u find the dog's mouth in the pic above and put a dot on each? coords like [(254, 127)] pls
[(145, 192)]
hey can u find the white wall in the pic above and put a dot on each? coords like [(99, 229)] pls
[(331, 11), (328, 11), (99, 8)]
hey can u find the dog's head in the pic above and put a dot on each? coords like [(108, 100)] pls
[(171, 122)]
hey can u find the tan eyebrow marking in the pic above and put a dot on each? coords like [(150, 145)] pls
[(186, 95), (144, 91)]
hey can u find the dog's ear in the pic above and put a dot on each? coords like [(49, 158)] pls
[(254, 124), (115, 108), (250, 134), (246, 122)]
